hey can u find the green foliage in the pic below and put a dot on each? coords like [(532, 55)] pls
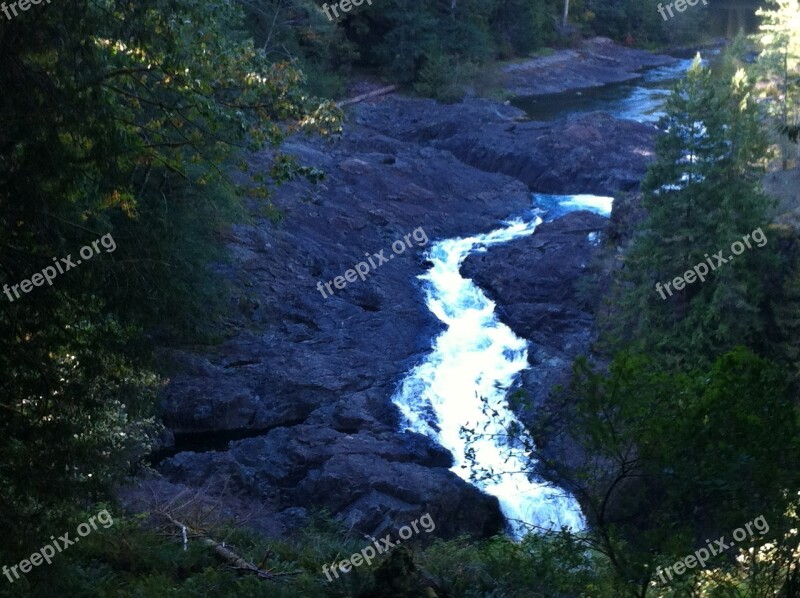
[(732, 433), (298, 30), (767, 569), (520, 27), (641, 19), (702, 194), (402, 35), (412, 42), (118, 118), (415, 43), (132, 559), (443, 78), (76, 415), (547, 564), (779, 66), (785, 305)]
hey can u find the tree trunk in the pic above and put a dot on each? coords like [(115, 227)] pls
[(566, 14), (786, 106), (366, 96), (226, 554)]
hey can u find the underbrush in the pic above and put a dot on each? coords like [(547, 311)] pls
[(137, 558)]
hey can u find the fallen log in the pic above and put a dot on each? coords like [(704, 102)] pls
[(366, 96), (228, 555)]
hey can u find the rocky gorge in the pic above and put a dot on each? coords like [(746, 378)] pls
[(292, 412)]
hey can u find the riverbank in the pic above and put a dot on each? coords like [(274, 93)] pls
[(594, 62)]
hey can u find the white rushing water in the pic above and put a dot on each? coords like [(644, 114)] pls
[(476, 357), (645, 101)]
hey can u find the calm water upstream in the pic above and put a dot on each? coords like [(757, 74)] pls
[(641, 100)]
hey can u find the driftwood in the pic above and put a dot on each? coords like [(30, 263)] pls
[(228, 555), (366, 96)]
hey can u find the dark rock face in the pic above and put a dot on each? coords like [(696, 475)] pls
[(309, 465), (311, 378), (293, 412), (589, 153)]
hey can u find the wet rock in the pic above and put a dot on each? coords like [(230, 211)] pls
[(588, 153), (540, 284), (355, 166)]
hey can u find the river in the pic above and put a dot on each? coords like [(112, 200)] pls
[(464, 382), (641, 100)]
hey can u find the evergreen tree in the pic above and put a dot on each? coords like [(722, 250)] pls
[(779, 62), (702, 194)]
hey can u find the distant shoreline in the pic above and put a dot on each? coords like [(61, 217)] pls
[(595, 62)]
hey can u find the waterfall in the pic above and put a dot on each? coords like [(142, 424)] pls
[(474, 364)]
